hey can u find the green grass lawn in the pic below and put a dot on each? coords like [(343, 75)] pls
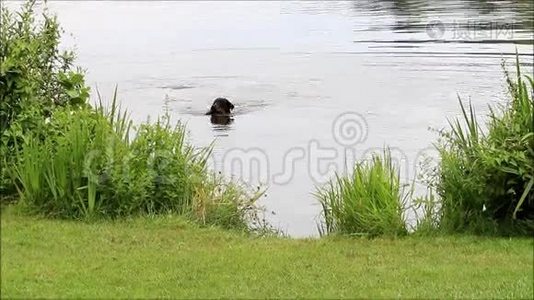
[(168, 257)]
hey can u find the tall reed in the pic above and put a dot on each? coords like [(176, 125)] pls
[(367, 202), (485, 178)]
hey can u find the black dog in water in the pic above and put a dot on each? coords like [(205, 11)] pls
[(220, 111), (221, 106)]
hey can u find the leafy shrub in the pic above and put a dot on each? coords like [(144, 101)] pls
[(486, 179), (67, 159), (370, 201), (35, 77), (87, 167)]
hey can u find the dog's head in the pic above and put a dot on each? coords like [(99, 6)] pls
[(223, 103), (221, 106)]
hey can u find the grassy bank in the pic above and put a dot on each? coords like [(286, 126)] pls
[(168, 257)]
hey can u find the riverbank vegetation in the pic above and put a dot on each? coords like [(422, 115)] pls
[(484, 183), (67, 158), (96, 206), (485, 178), (370, 201), (35, 79)]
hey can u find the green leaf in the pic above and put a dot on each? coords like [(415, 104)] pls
[(523, 197), (73, 94)]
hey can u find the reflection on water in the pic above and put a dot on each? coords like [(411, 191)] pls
[(291, 68), (222, 121)]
